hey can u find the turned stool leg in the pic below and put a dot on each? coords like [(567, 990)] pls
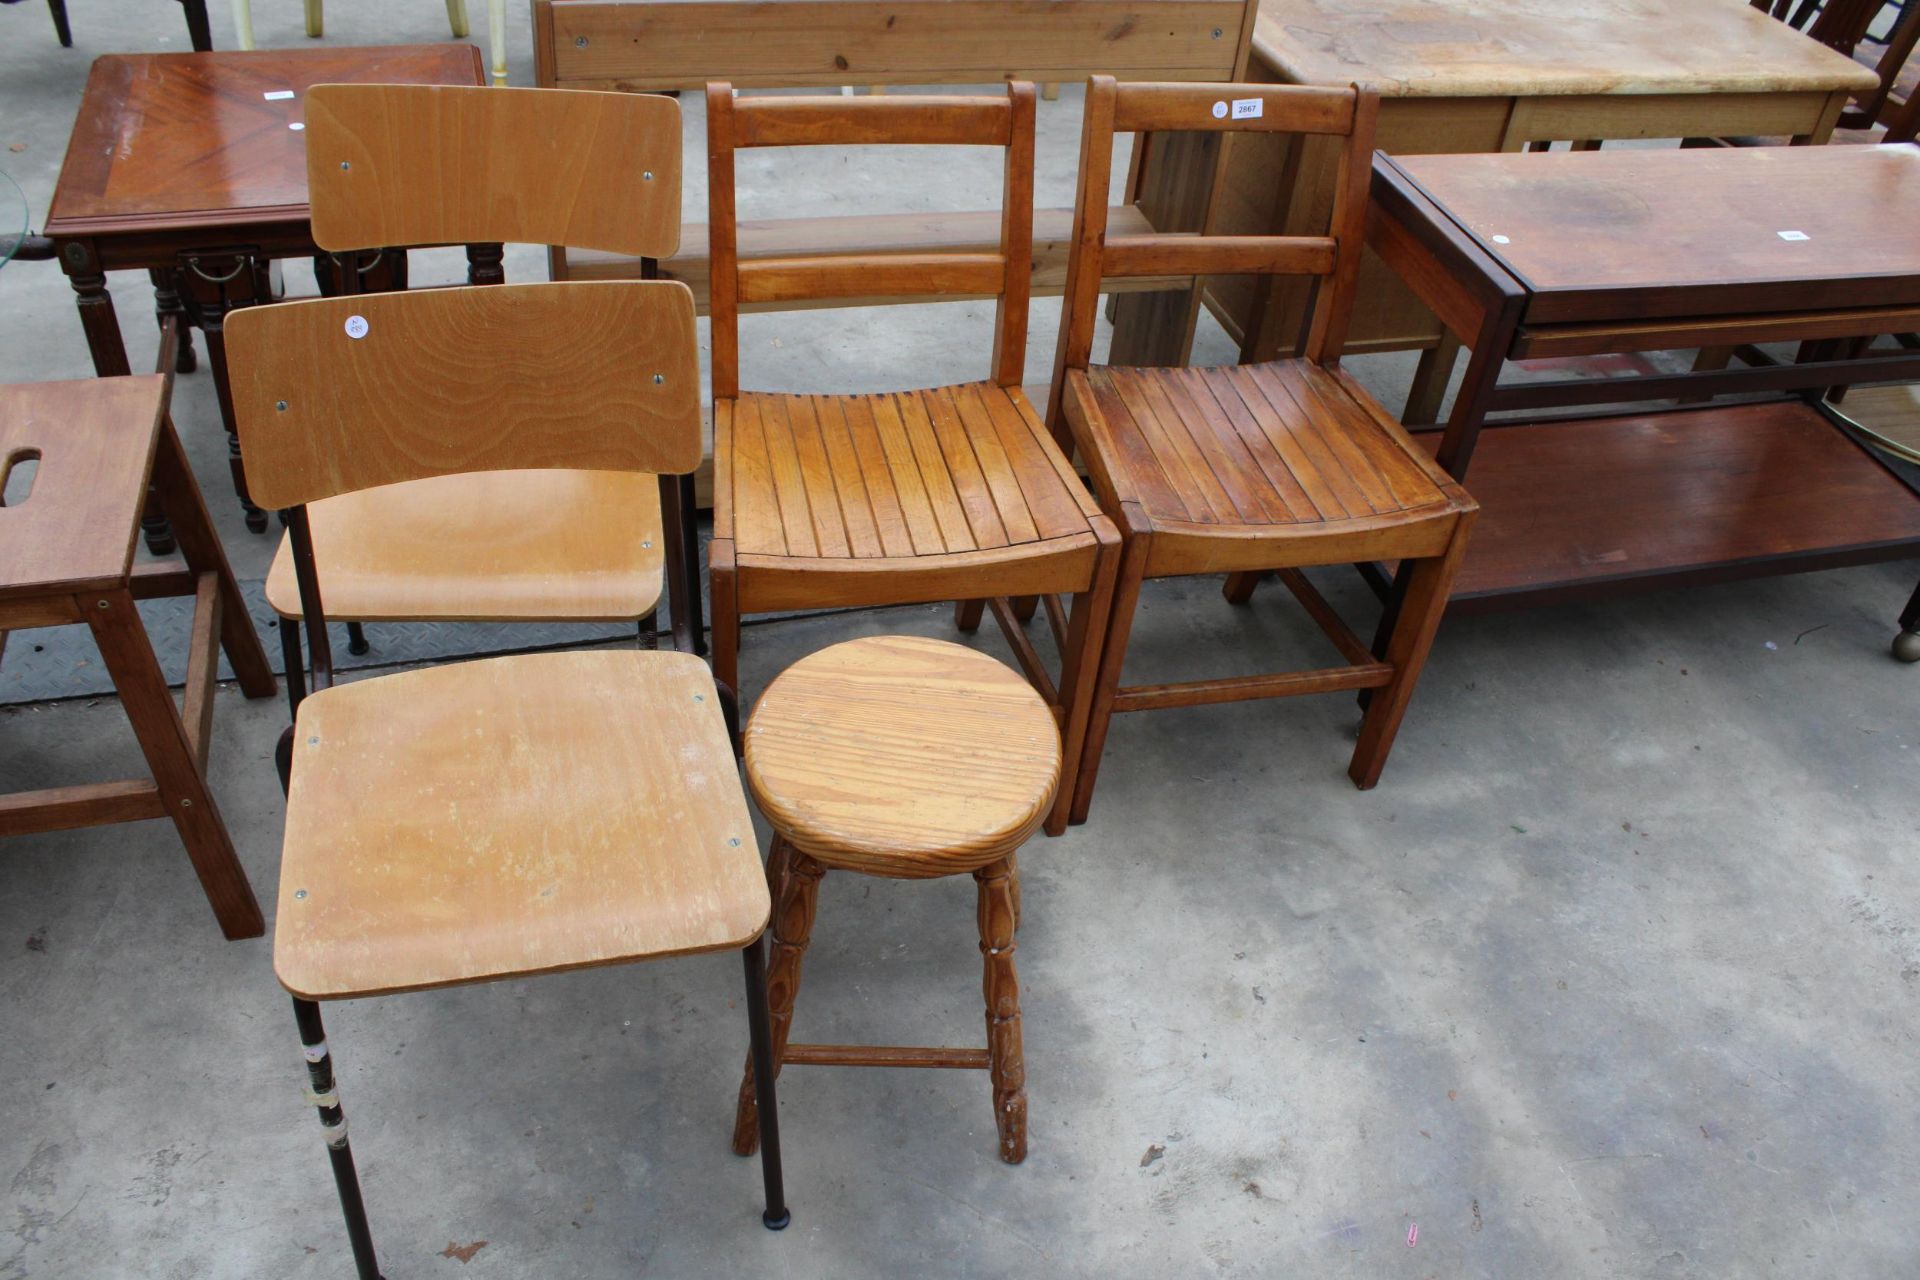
[(998, 891), (795, 880)]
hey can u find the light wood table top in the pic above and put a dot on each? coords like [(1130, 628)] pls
[(1498, 48)]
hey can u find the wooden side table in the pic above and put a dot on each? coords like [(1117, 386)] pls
[(192, 167), (1584, 254), (1466, 76), (66, 556)]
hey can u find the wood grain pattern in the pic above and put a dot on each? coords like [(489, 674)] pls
[(1681, 233), (1145, 108), (191, 136), (922, 120), (470, 379), (911, 473), (900, 756), (395, 164), (512, 816), (485, 546), (1463, 48), (94, 443), (1675, 495), (883, 42), (998, 914)]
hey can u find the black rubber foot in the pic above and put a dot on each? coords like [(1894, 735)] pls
[(358, 648), (162, 546), (186, 361), (256, 520), (776, 1224)]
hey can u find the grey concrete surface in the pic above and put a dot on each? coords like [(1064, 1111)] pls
[(1614, 975)]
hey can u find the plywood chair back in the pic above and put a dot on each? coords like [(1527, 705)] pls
[(1333, 259), (398, 165), (1007, 122), (335, 395)]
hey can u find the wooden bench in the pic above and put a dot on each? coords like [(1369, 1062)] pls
[(656, 45)]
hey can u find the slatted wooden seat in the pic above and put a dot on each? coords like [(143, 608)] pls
[(1223, 461), (1274, 466), (407, 165), (949, 493), (909, 758), (508, 816)]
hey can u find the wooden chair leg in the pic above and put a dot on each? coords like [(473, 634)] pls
[(1086, 640), (128, 655), (457, 18), (1001, 986), (1024, 607), (316, 20), (193, 531), (797, 881), (1430, 378), (967, 614), (726, 616), (1429, 584), (1238, 588), (1113, 656)]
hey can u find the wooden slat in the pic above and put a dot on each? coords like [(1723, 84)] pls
[(816, 476), (66, 808), (997, 468), (1290, 500), (966, 232), (1233, 465), (955, 530), (872, 275), (876, 477), (1285, 418), (849, 481), (969, 480), (203, 667), (1029, 450), (861, 1055), (916, 503), (836, 42), (755, 509), (1144, 108), (1182, 460), (1197, 693), (921, 120), (789, 488), (1190, 255)]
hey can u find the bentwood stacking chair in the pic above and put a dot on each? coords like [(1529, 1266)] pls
[(402, 165), (509, 816), (947, 493), (1255, 467)]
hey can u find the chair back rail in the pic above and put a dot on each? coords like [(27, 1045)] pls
[(401, 165), (334, 395), (1005, 274), (1334, 258)]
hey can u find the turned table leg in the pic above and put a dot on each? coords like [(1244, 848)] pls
[(212, 285), (999, 910)]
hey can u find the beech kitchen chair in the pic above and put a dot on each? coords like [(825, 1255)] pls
[(402, 165), (1256, 467), (507, 816), (949, 493)]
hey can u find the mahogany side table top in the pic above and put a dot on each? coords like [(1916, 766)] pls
[(1597, 253), (199, 140), (193, 168)]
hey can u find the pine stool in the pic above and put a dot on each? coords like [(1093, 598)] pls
[(909, 758)]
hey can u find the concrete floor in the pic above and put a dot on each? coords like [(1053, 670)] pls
[(1614, 975)]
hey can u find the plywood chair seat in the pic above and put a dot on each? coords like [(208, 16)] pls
[(1225, 462), (512, 816), (522, 544), (902, 756)]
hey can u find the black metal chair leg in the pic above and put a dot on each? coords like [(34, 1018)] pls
[(650, 631), (690, 548), (1906, 645), (357, 639), (776, 1216), (333, 1122), (60, 28), (294, 661)]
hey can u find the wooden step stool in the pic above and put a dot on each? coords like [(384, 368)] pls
[(66, 556), (909, 758)]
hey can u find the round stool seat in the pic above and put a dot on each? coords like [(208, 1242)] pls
[(900, 756)]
